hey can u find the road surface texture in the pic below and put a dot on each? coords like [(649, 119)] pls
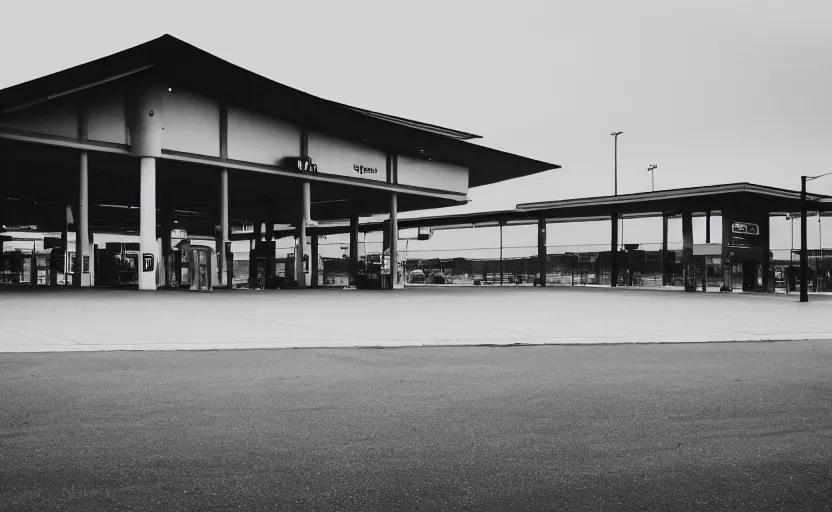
[(729, 426), (84, 320)]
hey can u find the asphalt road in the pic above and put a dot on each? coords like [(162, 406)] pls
[(741, 426)]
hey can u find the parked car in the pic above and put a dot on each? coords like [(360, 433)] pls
[(436, 277), (416, 276)]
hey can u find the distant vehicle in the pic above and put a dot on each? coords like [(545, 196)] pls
[(417, 276), (435, 277)]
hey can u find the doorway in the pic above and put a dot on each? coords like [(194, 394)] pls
[(200, 258)]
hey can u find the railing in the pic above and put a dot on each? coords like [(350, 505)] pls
[(573, 265)]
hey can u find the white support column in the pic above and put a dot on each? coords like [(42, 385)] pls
[(223, 281), (394, 239), (305, 219), (147, 223), (82, 240), (145, 120)]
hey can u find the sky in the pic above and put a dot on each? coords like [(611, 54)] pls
[(710, 91)]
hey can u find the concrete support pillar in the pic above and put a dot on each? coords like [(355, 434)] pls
[(614, 250), (501, 255), (394, 240), (165, 226), (269, 247), (166, 258), (353, 250), (765, 232), (664, 251), (306, 205), (708, 227), (82, 238), (254, 254), (313, 264), (541, 251), (147, 225), (33, 268), (145, 119), (687, 252), (224, 268)]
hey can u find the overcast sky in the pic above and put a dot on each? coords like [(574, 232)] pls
[(711, 91)]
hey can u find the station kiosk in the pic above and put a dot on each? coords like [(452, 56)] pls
[(195, 264)]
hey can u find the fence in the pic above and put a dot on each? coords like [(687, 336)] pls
[(640, 265)]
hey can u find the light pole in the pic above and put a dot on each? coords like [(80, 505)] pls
[(615, 136), (651, 170), (804, 253), (819, 261), (790, 218)]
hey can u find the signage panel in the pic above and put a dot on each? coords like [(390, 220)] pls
[(744, 234), (745, 228), (147, 262)]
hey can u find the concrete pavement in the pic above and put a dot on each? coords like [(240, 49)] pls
[(83, 320), (741, 426)]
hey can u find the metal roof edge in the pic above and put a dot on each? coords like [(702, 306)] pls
[(668, 194)]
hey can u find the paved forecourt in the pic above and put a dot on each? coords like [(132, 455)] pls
[(84, 320), (736, 426)]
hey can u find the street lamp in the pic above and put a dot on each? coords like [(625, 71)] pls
[(819, 260), (650, 169), (790, 218), (615, 136), (804, 253)]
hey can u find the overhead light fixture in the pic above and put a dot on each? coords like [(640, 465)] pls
[(170, 89)]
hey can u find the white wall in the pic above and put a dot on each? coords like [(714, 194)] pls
[(56, 117), (106, 121), (342, 158), (435, 175), (192, 123), (260, 139)]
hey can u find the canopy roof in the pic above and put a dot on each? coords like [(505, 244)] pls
[(711, 198), (180, 64)]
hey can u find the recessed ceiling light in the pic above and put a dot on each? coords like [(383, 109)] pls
[(170, 89)]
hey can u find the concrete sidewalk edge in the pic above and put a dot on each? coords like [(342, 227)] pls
[(393, 344)]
